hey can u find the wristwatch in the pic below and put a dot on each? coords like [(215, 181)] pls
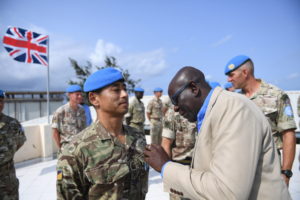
[(287, 172)]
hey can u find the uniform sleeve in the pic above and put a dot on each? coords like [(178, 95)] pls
[(130, 110), (149, 107), (69, 184), (20, 137), (285, 114), (55, 119), (169, 129)]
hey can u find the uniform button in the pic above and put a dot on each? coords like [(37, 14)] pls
[(116, 184)]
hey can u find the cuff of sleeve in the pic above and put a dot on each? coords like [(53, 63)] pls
[(163, 168), (167, 133), (54, 125)]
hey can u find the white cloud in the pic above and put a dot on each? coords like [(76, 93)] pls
[(146, 63), (104, 49), (222, 41), (293, 75), (143, 64)]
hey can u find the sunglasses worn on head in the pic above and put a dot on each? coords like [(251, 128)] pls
[(177, 93)]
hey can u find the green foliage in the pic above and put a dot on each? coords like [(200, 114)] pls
[(82, 72)]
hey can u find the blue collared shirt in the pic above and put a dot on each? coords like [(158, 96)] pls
[(202, 112)]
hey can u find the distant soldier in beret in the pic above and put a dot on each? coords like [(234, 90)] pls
[(69, 119), (104, 161), (229, 87), (274, 103), (155, 116), (136, 112), (12, 137)]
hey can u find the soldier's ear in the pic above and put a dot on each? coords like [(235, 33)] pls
[(94, 99)]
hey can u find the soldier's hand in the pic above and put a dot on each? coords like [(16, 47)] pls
[(155, 156)]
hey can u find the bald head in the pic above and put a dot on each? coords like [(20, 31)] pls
[(186, 75), (188, 90)]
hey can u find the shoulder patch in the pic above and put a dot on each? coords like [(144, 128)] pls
[(59, 175), (288, 111)]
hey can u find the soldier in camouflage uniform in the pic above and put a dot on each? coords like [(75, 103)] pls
[(136, 112), (12, 137), (178, 139), (155, 116), (69, 119), (274, 103), (104, 161)]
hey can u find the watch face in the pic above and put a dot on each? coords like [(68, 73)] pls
[(288, 173)]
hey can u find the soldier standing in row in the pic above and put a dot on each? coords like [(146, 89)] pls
[(105, 161), (136, 112), (12, 137), (69, 119), (178, 140), (155, 116), (274, 103)]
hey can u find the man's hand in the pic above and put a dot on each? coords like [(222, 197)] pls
[(155, 156), (286, 179)]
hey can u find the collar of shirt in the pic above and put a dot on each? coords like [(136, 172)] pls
[(201, 113)]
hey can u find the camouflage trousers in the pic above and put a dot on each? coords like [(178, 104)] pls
[(9, 184), (156, 131), (176, 197), (138, 126)]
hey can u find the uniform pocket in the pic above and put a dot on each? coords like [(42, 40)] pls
[(107, 173)]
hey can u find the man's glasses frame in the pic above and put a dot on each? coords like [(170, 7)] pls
[(178, 92)]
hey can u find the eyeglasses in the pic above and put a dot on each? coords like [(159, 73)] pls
[(177, 93)]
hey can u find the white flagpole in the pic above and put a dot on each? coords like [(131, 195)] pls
[(48, 83)]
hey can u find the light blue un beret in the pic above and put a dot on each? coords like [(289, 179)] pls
[(228, 85), (138, 89), (102, 78), (157, 89), (235, 63), (2, 94), (73, 88)]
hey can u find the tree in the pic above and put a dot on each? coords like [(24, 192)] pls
[(82, 72)]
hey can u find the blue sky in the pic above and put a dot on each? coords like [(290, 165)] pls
[(154, 39)]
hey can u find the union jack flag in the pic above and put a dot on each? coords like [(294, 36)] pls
[(26, 46)]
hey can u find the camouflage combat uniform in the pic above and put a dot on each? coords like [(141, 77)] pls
[(183, 133), (155, 109), (95, 165), (276, 106), (136, 112), (12, 137), (68, 122)]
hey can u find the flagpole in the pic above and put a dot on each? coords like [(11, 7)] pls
[(48, 83)]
